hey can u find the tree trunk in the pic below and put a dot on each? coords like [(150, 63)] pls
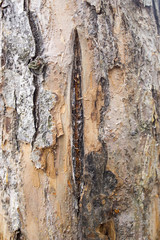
[(79, 119)]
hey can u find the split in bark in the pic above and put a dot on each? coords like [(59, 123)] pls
[(16, 123), (36, 33), (156, 10), (35, 65), (35, 109), (77, 119)]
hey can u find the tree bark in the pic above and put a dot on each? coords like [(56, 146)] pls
[(79, 119)]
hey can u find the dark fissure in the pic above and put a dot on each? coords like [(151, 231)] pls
[(77, 119), (34, 65), (156, 11), (35, 109), (16, 123), (34, 25)]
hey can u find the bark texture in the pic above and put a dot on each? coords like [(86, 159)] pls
[(79, 119)]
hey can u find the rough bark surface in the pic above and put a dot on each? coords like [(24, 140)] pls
[(79, 119)]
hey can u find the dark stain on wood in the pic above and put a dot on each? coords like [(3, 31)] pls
[(97, 212)]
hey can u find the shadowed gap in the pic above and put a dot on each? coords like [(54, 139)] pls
[(77, 118)]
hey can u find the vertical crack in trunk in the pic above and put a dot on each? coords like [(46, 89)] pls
[(35, 32), (25, 5), (17, 235), (35, 109), (156, 114), (156, 10), (16, 123), (38, 51), (77, 119)]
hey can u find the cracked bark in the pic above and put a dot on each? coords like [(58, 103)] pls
[(35, 109), (79, 120)]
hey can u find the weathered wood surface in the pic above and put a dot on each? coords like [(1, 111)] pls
[(79, 119)]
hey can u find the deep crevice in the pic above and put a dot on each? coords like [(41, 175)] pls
[(17, 235), (155, 120), (35, 109), (36, 33), (38, 51), (77, 119), (156, 15), (93, 7), (25, 5), (16, 123)]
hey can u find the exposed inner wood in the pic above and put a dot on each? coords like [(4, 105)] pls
[(77, 117)]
